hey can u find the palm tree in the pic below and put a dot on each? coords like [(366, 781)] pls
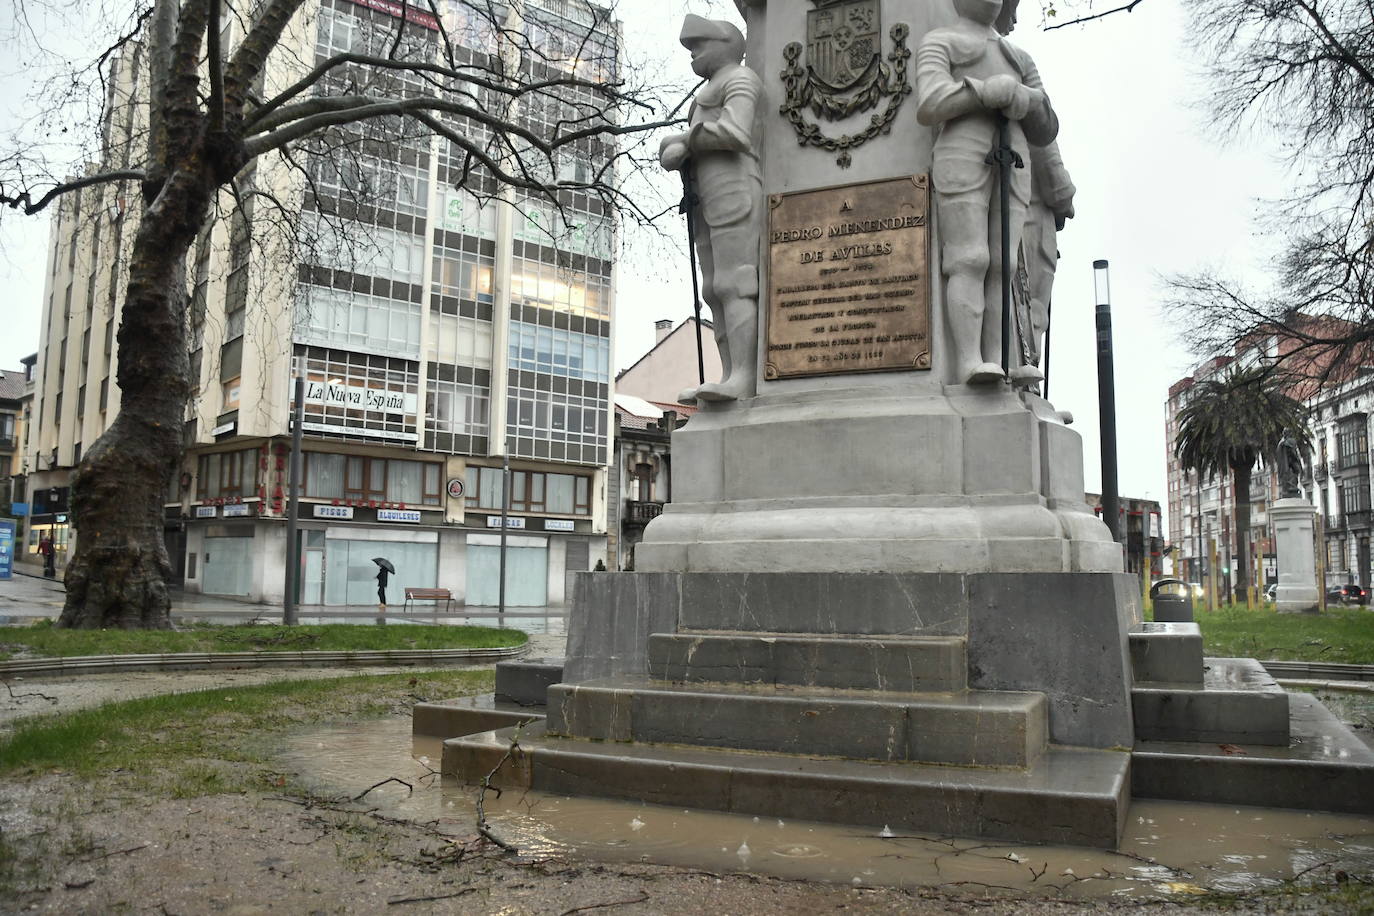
[(1231, 423)]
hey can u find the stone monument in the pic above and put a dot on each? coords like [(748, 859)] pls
[(1294, 534), (878, 596)]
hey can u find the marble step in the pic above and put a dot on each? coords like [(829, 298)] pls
[(1169, 653), (1237, 703), (526, 681), (1069, 796), (469, 715), (970, 728), (1323, 767), (860, 663)]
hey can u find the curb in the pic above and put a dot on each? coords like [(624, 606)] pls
[(199, 661), (1320, 671)]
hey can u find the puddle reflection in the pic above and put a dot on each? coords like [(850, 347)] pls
[(1171, 849)]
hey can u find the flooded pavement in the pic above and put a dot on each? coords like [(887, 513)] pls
[(1171, 849)]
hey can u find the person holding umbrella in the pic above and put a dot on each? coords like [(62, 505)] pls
[(384, 570)]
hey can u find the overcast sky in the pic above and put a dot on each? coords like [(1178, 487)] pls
[(1156, 194)]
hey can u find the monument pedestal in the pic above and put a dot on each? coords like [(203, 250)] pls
[(1294, 536)]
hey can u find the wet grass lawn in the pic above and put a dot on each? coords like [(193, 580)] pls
[(1343, 634), (187, 744), (43, 639)]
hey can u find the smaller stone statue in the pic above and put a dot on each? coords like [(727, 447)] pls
[(1290, 466), (719, 153), (966, 76)]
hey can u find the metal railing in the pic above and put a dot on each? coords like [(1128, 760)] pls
[(641, 512)]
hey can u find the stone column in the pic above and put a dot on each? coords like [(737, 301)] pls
[(1293, 533)]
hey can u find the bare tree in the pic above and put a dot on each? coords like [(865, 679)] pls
[(209, 120), (1301, 71)]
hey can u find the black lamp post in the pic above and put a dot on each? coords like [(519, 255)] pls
[(1106, 399)]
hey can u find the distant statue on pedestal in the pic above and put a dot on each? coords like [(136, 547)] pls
[(719, 153), (966, 75), (1290, 467)]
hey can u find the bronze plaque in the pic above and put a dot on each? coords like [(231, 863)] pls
[(849, 289)]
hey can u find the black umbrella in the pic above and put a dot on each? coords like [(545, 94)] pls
[(384, 563)]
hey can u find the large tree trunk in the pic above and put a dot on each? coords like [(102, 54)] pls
[(118, 576), (1241, 478)]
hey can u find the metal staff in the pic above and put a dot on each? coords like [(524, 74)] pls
[(688, 205), (1005, 158)]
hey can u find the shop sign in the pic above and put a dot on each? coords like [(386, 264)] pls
[(455, 488), (512, 521), (558, 524), (21, 510), (345, 512), (224, 501), (358, 397), (398, 515), (238, 510), (359, 432), (205, 511), (225, 428)]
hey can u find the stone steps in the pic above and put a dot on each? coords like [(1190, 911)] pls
[(914, 664), (1324, 767), (1238, 702), (1169, 653), (526, 681), (469, 715), (969, 728), (1069, 796)]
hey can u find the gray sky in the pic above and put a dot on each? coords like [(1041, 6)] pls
[(1156, 195)]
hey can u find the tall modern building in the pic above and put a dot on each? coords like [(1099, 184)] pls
[(441, 323)]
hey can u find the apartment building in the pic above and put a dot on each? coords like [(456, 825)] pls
[(1202, 526), (439, 330)]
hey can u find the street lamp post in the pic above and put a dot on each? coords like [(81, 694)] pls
[(1106, 399), (293, 552)]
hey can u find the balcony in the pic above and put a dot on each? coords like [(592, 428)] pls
[(1334, 523), (639, 512), (1320, 471), (1358, 518), (8, 444)]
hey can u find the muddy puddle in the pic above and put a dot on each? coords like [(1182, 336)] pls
[(1171, 849)]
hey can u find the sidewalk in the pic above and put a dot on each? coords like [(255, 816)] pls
[(29, 597)]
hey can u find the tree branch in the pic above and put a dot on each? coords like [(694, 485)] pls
[(215, 64), (251, 55), (24, 201), (1128, 8)]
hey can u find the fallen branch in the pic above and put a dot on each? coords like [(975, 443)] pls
[(483, 827), (359, 796), (643, 896), (1310, 868), (466, 890), (20, 696), (117, 852)]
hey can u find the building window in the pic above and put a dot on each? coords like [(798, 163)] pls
[(531, 491), (227, 474), (1352, 443), (364, 478)]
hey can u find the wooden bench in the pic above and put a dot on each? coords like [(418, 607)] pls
[(429, 594)]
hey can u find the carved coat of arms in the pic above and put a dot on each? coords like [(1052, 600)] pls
[(844, 73)]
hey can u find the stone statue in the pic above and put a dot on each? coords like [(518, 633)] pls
[(720, 154), (1051, 206), (965, 75), (1290, 466)]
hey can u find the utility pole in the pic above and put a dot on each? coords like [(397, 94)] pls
[(505, 515)]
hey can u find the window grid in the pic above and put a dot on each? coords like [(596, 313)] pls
[(354, 371)]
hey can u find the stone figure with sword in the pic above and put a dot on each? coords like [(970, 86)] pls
[(986, 98), (724, 199)]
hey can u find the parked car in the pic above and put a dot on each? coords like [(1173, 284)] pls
[(1271, 592), (1347, 595)]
